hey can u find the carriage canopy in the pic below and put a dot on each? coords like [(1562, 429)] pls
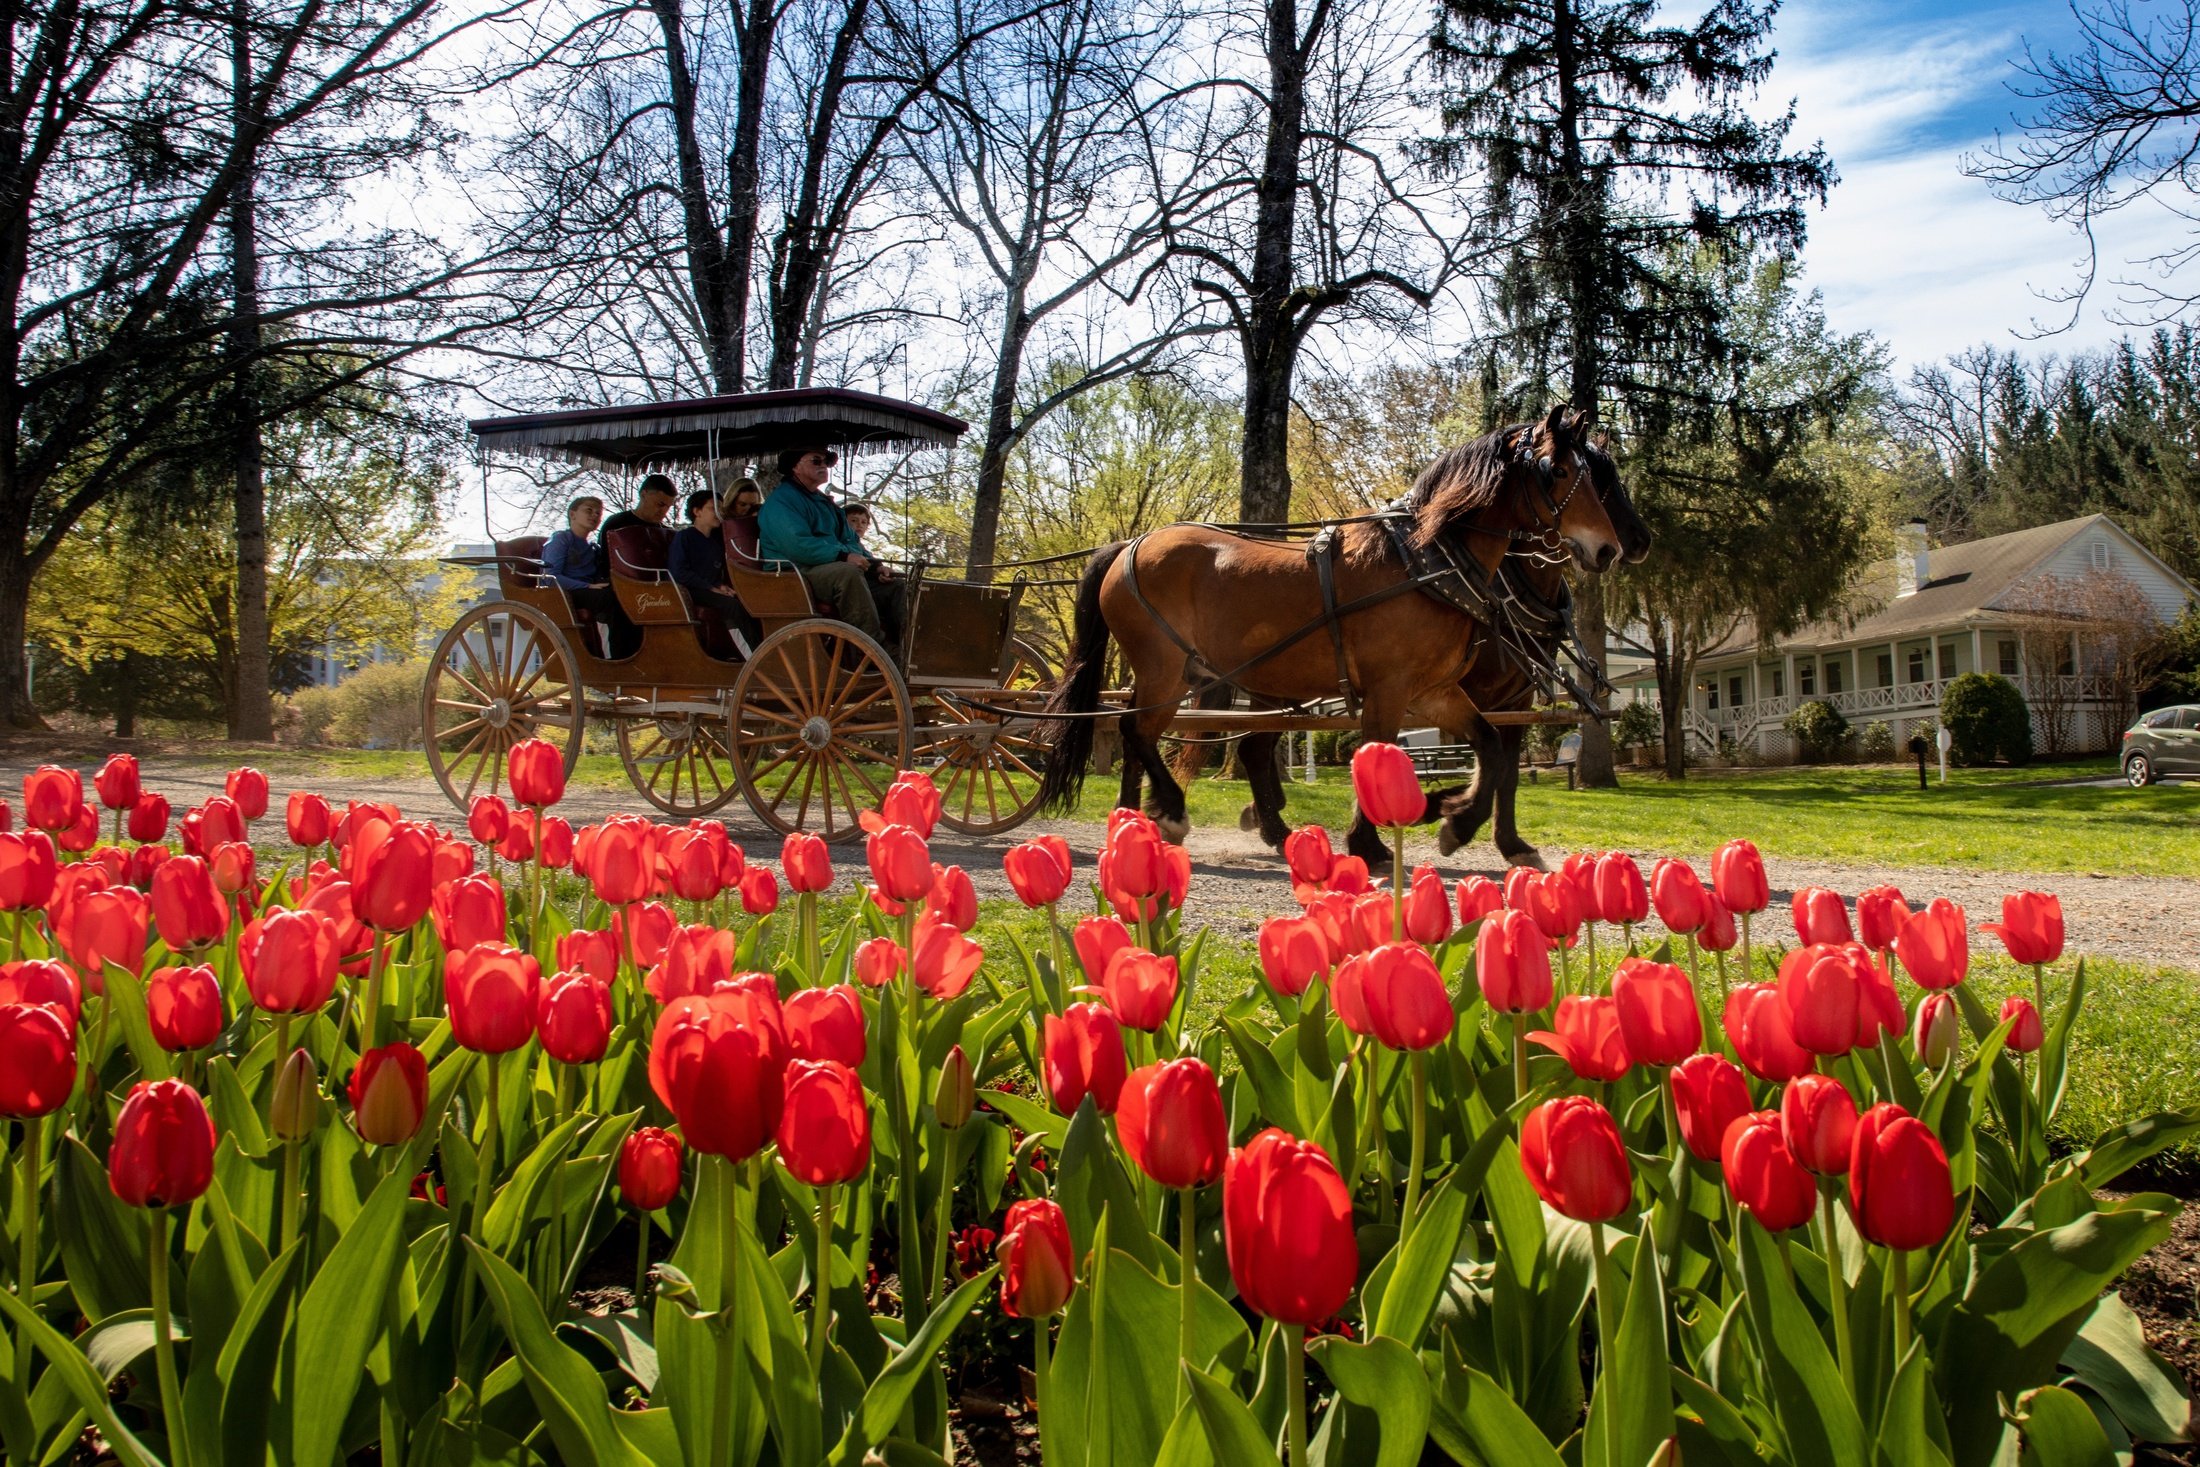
[(735, 425)]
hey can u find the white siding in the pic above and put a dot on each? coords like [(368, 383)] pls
[(2077, 559)]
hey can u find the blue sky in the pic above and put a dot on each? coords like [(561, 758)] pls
[(1909, 248)]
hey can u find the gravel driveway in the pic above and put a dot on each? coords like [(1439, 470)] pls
[(1237, 882)]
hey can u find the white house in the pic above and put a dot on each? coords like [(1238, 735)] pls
[(1931, 615)]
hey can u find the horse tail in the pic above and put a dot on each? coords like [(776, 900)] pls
[(1078, 692)]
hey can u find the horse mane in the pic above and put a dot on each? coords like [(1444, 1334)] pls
[(1459, 482)]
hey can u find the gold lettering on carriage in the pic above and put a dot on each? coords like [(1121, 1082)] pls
[(652, 601)]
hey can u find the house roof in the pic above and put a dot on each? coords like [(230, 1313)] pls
[(1966, 581)]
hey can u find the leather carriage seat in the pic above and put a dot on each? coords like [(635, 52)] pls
[(744, 553), (638, 548)]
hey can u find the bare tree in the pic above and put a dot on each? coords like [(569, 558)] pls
[(2088, 633)]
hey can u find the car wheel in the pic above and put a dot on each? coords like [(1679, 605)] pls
[(2139, 771)]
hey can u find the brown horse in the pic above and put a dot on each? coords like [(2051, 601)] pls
[(1188, 603)]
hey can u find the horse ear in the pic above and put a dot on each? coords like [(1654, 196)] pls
[(1554, 424), (1601, 441), (1585, 418)]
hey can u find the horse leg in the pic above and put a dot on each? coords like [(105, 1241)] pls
[(1167, 805), (1134, 768), (1265, 813), (1466, 817), (1516, 851)]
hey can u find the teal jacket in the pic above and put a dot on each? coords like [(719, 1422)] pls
[(802, 526)]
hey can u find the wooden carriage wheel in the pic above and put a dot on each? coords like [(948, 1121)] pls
[(678, 759), (820, 726), (503, 673), (988, 766)]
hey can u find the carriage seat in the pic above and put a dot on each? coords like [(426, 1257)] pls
[(520, 577), (637, 554), (773, 591)]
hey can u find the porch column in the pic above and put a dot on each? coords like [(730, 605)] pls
[(1978, 649)]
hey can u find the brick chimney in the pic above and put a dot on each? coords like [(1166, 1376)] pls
[(1912, 560)]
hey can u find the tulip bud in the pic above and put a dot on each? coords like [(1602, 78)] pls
[(649, 1168), (1287, 1229), (2025, 1033), (297, 1109), (389, 1094), (163, 1149), (1038, 1266), (1899, 1187), (1571, 1150), (1818, 1118), (957, 1092), (1387, 787), (149, 818), (2031, 926), (537, 772), (1933, 1034)]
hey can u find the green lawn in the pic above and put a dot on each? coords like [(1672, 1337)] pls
[(1992, 819)]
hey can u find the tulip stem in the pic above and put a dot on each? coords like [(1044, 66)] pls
[(289, 1233), (282, 1053), (1398, 885), (1520, 1055), (1039, 1368), (1054, 937), (1589, 927), (641, 1262), (821, 1301), (936, 1275), (1565, 973), (1419, 1154), (1187, 1260), (1294, 1380), (370, 1017), (561, 1102), (1837, 1287), (485, 1160), (806, 917), (2039, 1075), (2024, 1129), (1898, 1266), (1749, 974), (164, 1348), (1607, 1338), (26, 1268), (729, 1341)]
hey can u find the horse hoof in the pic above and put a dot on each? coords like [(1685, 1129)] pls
[(1249, 818), (1447, 840), (1173, 830), (1532, 859)]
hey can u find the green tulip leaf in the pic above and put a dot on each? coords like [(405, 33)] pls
[(1726, 1431), (1232, 1432), (244, 1372), (2111, 1356), (882, 1403), (126, 998), (1813, 1405), (1029, 1116), (2120, 1148), (68, 1364), (2058, 1429), (563, 1385), (1912, 1432), (1279, 1101), (103, 1242), (1408, 1300), (2054, 1057), (1382, 1393), (1476, 1421)]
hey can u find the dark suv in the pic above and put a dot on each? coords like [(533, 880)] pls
[(2166, 741)]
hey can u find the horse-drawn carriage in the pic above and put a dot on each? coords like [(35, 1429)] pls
[(808, 727)]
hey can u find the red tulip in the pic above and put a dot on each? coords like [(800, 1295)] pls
[(912, 800), (644, 929), (1935, 946), (1293, 953), (248, 788), (2025, 1033), (307, 818), (1899, 1188), (537, 772), (573, 1018), (878, 962), (491, 993), (1621, 895), (1933, 1033), (41, 980), (1571, 1150), (1348, 875), (1133, 864), (1478, 896), (1512, 964), (290, 961), (487, 818), (1587, 1037), (649, 1168), (518, 845), (1880, 913), (27, 870), (163, 1151), (1386, 786), (1678, 894), (1551, 903), (117, 782), (1764, 1175), (469, 912), (148, 818), (806, 863), (1038, 870), (52, 798), (593, 953), (184, 1006), (37, 1059), (1717, 933), (1407, 1003), (105, 927), (1309, 855), (825, 1023), (392, 874), (144, 861), (718, 1062), (389, 1094), (1709, 1094), (1083, 1055), (1738, 877), (1140, 989), (234, 872), (83, 835), (2031, 927), (1820, 916), (1171, 1123), (1287, 1227), (954, 900), (1818, 1117), (1098, 940), (691, 862), (1519, 881), (1658, 1017), (696, 959), (619, 861), (1763, 1035), (941, 959), (1348, 995), (759, 891), (824, 1124), (554, 843), (220, 819), (1821, 987), (1038, 1268), (900, 865), (1878, 1006)]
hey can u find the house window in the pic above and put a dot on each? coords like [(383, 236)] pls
[(1711, 699), (1779, 682), (2063, 665), (1806, 679), (1734, 692), (1886, 669), (2100, 555), (2006, 653), (1915, 667), (1833, 678), (1947, 659)]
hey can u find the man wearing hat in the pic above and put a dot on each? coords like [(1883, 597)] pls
[(800, 524)]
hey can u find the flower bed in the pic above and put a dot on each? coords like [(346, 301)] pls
[(315, 1166)]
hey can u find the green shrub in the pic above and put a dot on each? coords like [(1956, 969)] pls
[(1335, 746), (1819, 731), (378, 707), (1637, 725), (314, 710), (1876, 743), (1986, 717)]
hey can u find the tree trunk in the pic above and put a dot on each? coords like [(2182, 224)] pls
[(1000, 427), (1672, 671), (251, 705), (800, 252), (744, 186), (706, 252), (1271, 333), (16, 573)]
